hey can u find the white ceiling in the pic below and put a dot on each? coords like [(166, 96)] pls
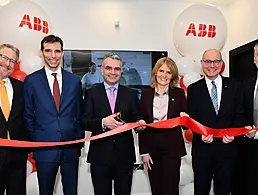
[(203, 1)]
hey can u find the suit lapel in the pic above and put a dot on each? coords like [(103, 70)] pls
[(119, 98), (171, 102), (15, 101), (225, 93), (104, 98), (149, 106), (65, 86)]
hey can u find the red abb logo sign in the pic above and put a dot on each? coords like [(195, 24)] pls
[(202, 31), (38, 24)]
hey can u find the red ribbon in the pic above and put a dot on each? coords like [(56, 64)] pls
[(170, 123)]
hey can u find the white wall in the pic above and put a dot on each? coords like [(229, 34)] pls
[(243, 22), (144, 25)]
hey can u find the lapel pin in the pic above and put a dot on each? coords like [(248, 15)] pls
[(173, 99), (226, 86)]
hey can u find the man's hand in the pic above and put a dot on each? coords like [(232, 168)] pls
[(147, 161), (207, 139), (227, 139), (251, 133), (110, 122), (141, 128)]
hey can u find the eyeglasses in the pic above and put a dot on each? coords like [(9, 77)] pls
[(109, 68), (6, 59), (112, 56), (209, 62)]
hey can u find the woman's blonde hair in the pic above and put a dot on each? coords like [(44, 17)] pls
[(172, 67)]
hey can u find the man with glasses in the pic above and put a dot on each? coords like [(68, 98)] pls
[(12, 160), (111, 158), (216, 102)]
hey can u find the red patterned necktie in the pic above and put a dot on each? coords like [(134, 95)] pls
[(56, 92)]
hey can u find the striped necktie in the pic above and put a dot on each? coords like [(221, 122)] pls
[(214, 96)]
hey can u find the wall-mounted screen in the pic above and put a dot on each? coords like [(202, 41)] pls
[(137, 65)]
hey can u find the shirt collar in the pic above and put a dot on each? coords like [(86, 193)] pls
[(216, 81), (6, 81), (165, 92), (107, 86), (49, 72)]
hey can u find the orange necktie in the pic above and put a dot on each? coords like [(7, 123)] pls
[(5, 103)]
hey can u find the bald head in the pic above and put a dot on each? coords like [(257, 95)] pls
[(211, 51)]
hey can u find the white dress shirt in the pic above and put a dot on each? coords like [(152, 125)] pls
[(218, 83), (9, 89), (51, 78)]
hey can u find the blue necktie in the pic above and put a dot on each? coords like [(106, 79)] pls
[(214, 96)]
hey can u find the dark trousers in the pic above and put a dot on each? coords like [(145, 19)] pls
[(246, 171), (218, 168), (251, 175), (103, 175), (47, 176), (164, 175), (12, 176)]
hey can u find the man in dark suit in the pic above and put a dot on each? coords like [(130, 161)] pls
[(250, 142), (111, 158), (215, 102), (12, 160), (52, 113)]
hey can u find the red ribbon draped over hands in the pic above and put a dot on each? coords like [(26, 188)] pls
[(170, 123)]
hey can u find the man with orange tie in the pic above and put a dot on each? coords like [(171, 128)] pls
[(12, 160), (52, 114), (111, 158)]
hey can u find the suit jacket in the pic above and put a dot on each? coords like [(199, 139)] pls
[(15, 125), (96, 107), (230, 114), (250, 145), (45, 123), (153, 141)]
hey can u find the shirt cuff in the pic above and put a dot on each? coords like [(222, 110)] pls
[(103, 126), (256, 135), (144, 154)]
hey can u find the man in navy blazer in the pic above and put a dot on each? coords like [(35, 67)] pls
[(214, 158), (52, 113)]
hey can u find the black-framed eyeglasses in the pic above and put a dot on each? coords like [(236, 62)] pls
[(209, 62), (6, 59)]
